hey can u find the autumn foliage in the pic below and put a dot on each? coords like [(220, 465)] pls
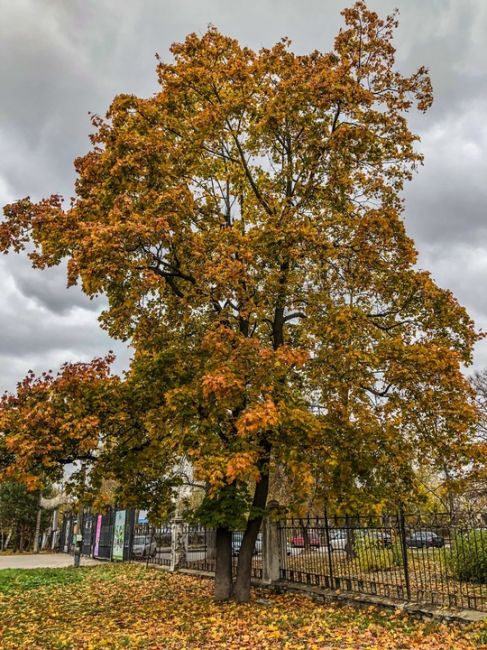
[(245, 225), (115, 607)]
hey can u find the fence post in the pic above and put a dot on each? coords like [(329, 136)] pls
[(329, 548), (151, 540), (131, 535), (404, 548), (178, 546), (271, 543)]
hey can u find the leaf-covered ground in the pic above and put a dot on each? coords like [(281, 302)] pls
[(126, 606)]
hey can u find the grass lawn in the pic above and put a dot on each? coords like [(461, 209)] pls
[(125, 606)]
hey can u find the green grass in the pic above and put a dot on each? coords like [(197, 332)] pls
[(15, 580)]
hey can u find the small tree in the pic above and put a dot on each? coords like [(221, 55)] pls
[(245, 225), (18, 514)]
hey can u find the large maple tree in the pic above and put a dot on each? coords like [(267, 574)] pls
[(245, 225)]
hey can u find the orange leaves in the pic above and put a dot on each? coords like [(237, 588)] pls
[(221, 384), (259, 418), (244, 225), (53, 420), (242, 467)]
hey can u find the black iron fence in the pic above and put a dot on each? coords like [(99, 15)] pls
[(435, 561), (201, 550), (65, 539), (106, 536), (152, 544), (88, 531)]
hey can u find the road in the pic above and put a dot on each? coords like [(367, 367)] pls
[(41, 561)]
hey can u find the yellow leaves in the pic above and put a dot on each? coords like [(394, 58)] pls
[(291, 356), (246, 220), (241, 466), (221, 384), (115, 607)]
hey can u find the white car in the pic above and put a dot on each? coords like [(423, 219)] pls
[(338, 540), (143, 547)]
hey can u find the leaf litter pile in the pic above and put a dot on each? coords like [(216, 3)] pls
[(127, 606)]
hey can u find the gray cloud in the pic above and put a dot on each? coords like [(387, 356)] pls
[(61, 60)]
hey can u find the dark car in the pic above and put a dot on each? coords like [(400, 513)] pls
[(237, 543), (382, 538), (425, 539)]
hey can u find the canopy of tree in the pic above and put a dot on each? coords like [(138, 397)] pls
[(245, 226)]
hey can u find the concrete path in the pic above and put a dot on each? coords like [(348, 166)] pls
[(41, 561)]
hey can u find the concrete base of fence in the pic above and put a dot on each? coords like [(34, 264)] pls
[(415, 610)]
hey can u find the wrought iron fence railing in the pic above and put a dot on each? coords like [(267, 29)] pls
[(437, 559), (152, 544), (201, 550), (434, 561)]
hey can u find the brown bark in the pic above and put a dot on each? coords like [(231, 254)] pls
[(305, 534), (244, 567), (223, 568)]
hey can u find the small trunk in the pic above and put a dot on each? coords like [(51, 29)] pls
[(305, 534), (350, 545), (244, 567), (223, 568)]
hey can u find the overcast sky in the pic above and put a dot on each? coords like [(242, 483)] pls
[(60, 59)]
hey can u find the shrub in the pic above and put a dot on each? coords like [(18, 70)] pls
[(371, 556), (468, 557)]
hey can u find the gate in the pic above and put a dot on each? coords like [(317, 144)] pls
[(104, 536)]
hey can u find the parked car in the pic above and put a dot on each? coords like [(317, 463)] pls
[(338, 539), (237, 543), (382, 538), (298, 541), (425, 539), (143, 547)]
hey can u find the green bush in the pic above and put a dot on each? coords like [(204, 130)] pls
[(372, 556), (468, 557)]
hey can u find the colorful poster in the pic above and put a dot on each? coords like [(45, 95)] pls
[(97, 536), (119, 535), (142, 517)]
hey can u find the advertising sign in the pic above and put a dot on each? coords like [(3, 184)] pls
[(142, 517), (119, 535), (97, 536)]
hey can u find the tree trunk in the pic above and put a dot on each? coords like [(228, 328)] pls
[(350, 545), (244, 567), (223, 568), (305, 534)]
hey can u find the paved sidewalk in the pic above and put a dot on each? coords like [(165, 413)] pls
[(41, 561)]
